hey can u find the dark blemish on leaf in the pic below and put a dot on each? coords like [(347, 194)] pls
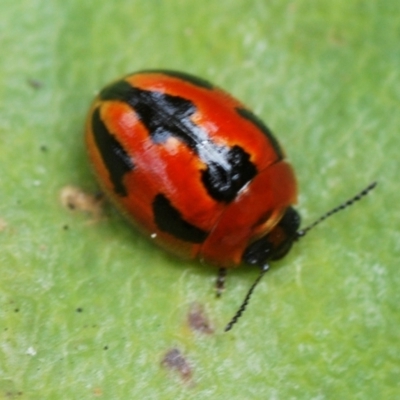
[(12, 395), (175, 361), (35, 84), (79, 309), (198, 320)]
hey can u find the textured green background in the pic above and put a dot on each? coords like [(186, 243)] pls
[(324, 324)]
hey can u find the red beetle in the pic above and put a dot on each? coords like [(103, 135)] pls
[(195, 170)]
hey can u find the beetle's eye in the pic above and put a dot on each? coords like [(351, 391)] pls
[(290, 222), (284, 234)]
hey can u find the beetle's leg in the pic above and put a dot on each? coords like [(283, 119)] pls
[(220, 282)]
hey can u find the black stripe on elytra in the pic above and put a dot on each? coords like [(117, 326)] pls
[(194, 80), (120, 90), (162, 114), (114, 156), (169, 220), (228, 168), (247, 114), (223, 184)]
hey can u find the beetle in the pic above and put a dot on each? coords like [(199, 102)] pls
[(195, 170)]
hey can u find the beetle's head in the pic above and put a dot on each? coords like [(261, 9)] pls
[(276, 243)]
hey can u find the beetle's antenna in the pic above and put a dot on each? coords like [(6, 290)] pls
[(299, 234), (239, 312), (347, 203)]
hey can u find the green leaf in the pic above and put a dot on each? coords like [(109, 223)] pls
[(89, 308)]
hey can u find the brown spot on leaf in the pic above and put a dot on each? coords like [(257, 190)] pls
[(76, 199), (174, 360), (198, 319), (3, 224), (35, 83), (97, 392)]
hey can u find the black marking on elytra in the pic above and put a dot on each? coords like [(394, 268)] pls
[(120, 90), (170, 220), (194, 80), (250, 116), (166, 116), (224, 184), (115, 158), (163, 115), (227, 170)]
